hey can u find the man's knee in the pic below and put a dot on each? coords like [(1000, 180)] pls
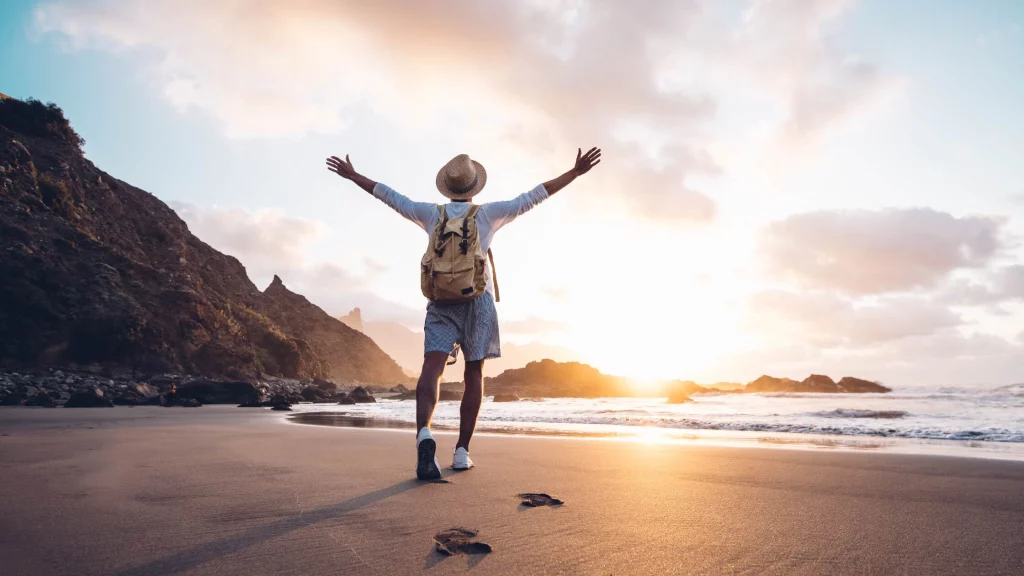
[(474, 372)]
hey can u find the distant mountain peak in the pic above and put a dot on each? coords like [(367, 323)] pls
[(354, 319)]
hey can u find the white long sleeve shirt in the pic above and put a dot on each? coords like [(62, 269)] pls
[(489, 219)]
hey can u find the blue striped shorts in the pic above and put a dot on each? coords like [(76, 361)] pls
[(471, 325)]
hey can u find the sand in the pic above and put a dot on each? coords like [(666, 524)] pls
[(224, 490)]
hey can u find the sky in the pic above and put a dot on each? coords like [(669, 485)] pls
[(787, 186)]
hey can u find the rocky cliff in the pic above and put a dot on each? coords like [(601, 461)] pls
[(98, 273)]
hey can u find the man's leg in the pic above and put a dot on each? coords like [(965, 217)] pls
[(471, 399), (427, 387)]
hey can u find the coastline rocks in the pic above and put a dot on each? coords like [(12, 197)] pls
[(771, 384), (505, 398), (89, 399), (361, 396), (315, 394), (851, 384), (677, 396), (815, 384), (282, 407), (400, 389), (345, 399), (449, 395)]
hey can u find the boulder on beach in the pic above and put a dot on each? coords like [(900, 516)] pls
[(89, 399), (449, 395), (345, 399), (400, 389), (361, 396), (506, 398), (315, 394)]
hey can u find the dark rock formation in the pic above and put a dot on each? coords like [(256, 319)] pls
[(818, 383), (815, 383), (314, 394), (678, 396), (851, 384), (506, 398), (551, 379), (282, 407), (771, 384), (90, 399), (361, 396), (98, 272), (400, 389), (345, 399), (449, 395)]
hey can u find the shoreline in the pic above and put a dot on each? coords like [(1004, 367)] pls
[(1000, 451)]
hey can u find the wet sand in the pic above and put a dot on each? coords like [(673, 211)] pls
[(224, 490)]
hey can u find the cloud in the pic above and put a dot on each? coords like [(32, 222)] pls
[(544, 74), (870, 252), (787, 46), (827, 320), (534, 326), (269, 242), (999, 285)]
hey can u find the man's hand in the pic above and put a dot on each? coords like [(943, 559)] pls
[(341, 167), (584, 162), (344, 169)]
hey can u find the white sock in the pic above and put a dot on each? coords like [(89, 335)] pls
[(424, 434)]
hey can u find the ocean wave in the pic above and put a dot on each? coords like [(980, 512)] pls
[(854, 413)]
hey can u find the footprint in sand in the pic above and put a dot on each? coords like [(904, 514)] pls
[(459, 541), (534, 500)]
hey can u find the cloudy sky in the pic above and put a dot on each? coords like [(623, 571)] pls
[(788, 186)]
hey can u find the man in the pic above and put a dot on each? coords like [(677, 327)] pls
[(470, 325)]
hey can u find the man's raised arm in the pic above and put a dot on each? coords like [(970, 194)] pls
[(501, 213), (584, 162), (418, 212)]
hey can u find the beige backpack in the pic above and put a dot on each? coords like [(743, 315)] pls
[(453, 267)]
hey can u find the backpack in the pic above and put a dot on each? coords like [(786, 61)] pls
[(453, 268)]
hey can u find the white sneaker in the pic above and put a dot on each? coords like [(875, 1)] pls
[(461, 460), (427, 466)]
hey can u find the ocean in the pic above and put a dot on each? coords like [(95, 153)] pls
[(986, 423)]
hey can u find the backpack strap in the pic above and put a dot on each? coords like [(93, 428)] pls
[(442, 223), (470, 214), (494, 273)]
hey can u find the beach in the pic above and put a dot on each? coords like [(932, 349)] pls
[(221, 490)]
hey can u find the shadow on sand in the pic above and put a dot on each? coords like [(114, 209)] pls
[(198, 555)]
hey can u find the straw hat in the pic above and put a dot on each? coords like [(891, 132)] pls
[(461, 178)]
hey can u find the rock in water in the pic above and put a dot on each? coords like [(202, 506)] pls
[(90, 399), (851, 384), (97, 271), (506, 398)]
